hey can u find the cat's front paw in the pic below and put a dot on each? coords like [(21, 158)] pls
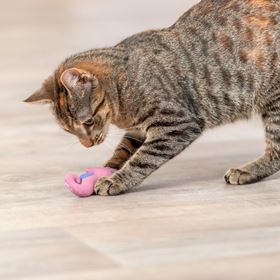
[(239, 177), (107, 186)]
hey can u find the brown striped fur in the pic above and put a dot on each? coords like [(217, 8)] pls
[(217, 64)]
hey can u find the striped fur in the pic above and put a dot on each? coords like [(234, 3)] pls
[(217, 64)]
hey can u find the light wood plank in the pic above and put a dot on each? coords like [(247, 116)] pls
[(33, 253)]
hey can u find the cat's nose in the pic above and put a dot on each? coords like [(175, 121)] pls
[(86, 142)]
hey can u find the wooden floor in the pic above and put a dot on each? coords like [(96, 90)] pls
[(183, 223)]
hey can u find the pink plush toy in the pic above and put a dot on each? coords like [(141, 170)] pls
[(83, 186)]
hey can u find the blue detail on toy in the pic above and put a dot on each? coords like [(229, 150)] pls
[(86, 175)]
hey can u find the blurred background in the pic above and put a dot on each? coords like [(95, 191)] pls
[(184, 221)]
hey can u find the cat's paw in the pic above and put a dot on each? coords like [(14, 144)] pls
[(107, 186), (239, 177)]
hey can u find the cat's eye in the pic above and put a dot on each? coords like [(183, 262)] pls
[(89, 122)]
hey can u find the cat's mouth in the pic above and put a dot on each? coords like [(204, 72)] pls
[(88, 143), (95, 138)]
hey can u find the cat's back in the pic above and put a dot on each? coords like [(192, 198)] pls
[(235, 35), (213, 9), (232, 23), (242, 32), (232, 45)]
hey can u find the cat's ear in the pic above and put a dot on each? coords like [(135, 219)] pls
[(43, 95), (78, 81)]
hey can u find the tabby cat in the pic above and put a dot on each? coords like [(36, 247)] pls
[(217, 64)]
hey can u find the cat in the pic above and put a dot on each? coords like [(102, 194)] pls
[(217, 64)]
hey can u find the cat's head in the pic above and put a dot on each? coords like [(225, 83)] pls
[(78, 99)]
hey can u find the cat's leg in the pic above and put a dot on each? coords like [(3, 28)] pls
[(269, 163), (165, 140), (129, 144)]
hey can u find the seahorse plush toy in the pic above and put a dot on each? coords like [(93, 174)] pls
[(83, 186)]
